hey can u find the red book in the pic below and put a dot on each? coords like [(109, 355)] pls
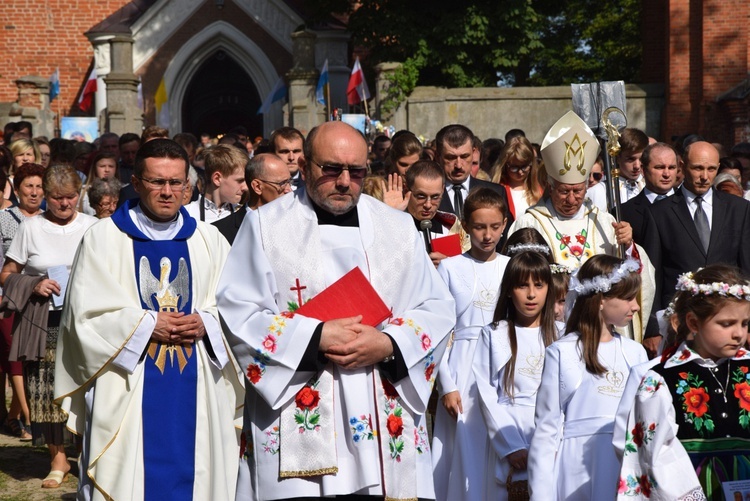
[(349, 296), (449, 245)]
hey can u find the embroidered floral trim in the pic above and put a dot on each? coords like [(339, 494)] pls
[(740, 377), (362, 428), (426, 340), (695, 402), (649, 384), (393, 422), (257, 369), (307, 413), (421, 442), (271, 445), (634, 485), (638, 436)]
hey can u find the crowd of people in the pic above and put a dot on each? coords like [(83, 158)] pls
[(326, 315)]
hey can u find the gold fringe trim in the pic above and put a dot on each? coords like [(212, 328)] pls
[(400, 499), (311, 473)]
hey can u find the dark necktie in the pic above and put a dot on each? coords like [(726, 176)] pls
[(458, 201), (701, 223)]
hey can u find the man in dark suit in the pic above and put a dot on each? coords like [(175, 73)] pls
[(288, 144), (659, 162), (267, 178), (454, 148), (697, 226)]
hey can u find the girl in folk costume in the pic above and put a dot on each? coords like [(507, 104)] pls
[(473, 279), (507, 367), (571, 455), (689, 427)]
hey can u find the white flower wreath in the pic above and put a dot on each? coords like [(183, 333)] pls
[(603, 283), (558, 269), (686, 283), (543, 249)]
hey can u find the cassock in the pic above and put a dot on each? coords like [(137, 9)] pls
[(574, 240), (158, 421), (315, 429)]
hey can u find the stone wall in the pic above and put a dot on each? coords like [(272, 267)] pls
[(491, 112)]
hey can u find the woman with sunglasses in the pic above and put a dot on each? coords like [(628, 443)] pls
[(516, 170)]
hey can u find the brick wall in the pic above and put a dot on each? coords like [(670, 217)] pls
[(39, 36), (707, 55)]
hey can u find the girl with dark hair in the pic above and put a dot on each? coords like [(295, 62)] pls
[(688, 431), (508, 369), (571, 454), (474, 281)]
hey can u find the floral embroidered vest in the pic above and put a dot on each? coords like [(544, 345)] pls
[(698, 399)]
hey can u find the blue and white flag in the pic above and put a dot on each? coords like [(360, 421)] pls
[(54, 87), (320, 90), (277, 93)]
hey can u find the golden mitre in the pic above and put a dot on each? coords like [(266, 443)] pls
[(569, 150)]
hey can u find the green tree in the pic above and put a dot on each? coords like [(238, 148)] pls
[(588, 41), (476, 43)]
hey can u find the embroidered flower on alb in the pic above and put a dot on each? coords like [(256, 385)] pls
[(513, 249), (686, 283), (603, 283)]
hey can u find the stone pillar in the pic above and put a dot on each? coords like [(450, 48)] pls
[(303, 111), (396, 117), (122, 114), (333, 45), (33, 105)]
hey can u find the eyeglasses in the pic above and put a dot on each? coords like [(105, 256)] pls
[(159, 184), (597, 176), (355, 171), (422, 198), (519, 168), (107, 205), (280, 185)]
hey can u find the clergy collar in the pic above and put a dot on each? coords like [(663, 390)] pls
[(350, 219), (121, 218)]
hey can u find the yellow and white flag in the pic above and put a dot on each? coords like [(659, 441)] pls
[(161, 102)]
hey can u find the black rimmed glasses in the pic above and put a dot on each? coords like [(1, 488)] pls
[(159, 184), (355, 171)]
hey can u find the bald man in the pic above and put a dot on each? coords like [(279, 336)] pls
[(696, 226), (370, 440), (267, 178)]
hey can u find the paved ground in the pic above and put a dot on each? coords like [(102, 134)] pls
[(22, 468)]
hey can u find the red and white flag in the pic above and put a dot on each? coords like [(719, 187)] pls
[(357, 90), (87, 94)]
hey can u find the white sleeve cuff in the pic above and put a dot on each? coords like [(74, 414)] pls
[(131, 353), (215, 339)]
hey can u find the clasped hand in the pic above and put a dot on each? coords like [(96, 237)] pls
[(351, 345), (178, 328)]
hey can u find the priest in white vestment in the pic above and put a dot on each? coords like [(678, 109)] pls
[(573, 227), (143, 368), (333, 408)]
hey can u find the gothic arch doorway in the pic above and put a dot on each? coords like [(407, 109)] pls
[(220, 96)]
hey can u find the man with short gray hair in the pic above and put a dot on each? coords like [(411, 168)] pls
[(267, 178)]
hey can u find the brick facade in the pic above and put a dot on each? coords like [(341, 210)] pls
[(706, 48), (39, 37)]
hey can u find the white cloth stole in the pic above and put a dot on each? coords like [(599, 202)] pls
[(397, 437)]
